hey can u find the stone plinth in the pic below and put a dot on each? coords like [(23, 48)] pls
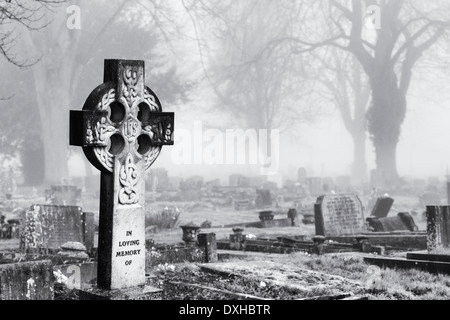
[(89, 292)]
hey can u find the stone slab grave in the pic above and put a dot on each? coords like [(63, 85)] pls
[(306, 283), (339, 214), (402, 221), (47, 227), (382, 207), (121, 130), (437, 240), (27, 281)]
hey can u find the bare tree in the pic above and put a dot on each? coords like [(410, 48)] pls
[(67, 63), (259, 89), (348, 89), (387, 53), (21, 13)]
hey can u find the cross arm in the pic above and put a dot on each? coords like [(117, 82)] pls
[(160, 126), (87, 128)]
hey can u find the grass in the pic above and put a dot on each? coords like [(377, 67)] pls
[(389, 284), (168, 218), (377, 284)]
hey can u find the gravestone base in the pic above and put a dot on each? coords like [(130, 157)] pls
[(92, 292)]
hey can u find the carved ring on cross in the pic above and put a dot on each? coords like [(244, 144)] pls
[(122, 122), (120, 128)]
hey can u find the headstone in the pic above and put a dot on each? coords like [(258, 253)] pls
[(402, 222), (65, 195), (208, 242), (438, 227), (382, 207), (293, 216), (47, 227), (26, 281), (339, 214), (122, 130)]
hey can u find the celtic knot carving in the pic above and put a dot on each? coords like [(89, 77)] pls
[(128, 178), (130, 79), (150, 99), (102, 128), (151, 157), (107, 99)]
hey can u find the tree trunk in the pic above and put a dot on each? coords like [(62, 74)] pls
[(52, 80), (359, 167), (385, 118), (53, 100), (386, 160)]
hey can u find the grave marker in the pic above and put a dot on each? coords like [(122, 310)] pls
[(438, 227), (122, 129), (47, 227), (382, 207), (339, 214), (402, 222)]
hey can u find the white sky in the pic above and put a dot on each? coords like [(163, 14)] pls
[(325, 148)]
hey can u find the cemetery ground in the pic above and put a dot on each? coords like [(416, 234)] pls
[(246, 275)]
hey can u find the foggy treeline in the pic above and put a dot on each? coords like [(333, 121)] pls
[(260, 64)]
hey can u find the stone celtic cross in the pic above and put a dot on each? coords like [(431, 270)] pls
[(122, 129)]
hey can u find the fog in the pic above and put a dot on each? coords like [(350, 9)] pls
[(309, 126)]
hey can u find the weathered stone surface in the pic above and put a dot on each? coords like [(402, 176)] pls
[(190, 232), (435, 267), (71, 245), (438, 227), (403, 221), (26, 281), (136, 293), (339, 214), (122, 129), (49, 226), (382, 207), (207, 241)]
